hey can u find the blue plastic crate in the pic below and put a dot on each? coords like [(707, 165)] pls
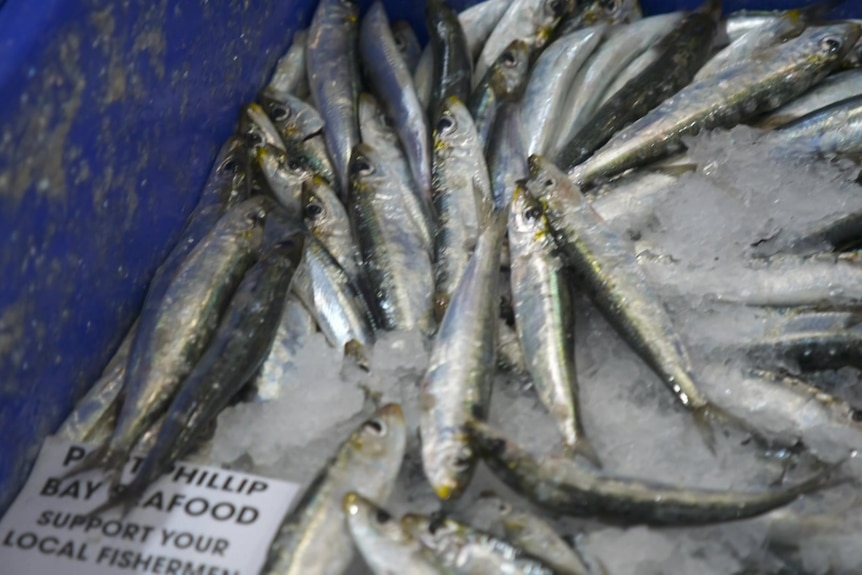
[(110, 114)]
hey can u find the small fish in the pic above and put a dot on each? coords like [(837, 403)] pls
[(385, 545), (614, 280), (326, 218), (684, 50), (290, 72), (530, 21), (334, 301), (377, 132), (468, 551), (314, 539), (453, 66), (393, 85), (505, 81), (564, 487), (461, 190), (835, 130), (457, 385), (407, 43), (834, 88), (284, 174), (332, 58), (395, 257), (723, 100), (238, 347), (506, 156), (622, 45), (545, 318), (477, 22), (183, 324), (550, 77)]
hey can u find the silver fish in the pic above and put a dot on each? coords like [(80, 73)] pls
[(723, 100), (290, 71), (314, 539), (461, 190), (622, 46), (477, 22), (333, 77), (378, 133), (469, 551), (832, 89), (187, 317), (550, 77), (457, 385), (394, 256), (564, 487), (393, 86), (339, 309), (545, 318), (384, 544)]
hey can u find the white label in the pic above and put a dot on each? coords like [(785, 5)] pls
[(196, 520)]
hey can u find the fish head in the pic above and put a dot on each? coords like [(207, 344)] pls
[(551, 187), (528, 224), (257, 128), (831, 44), (283, 172), (366, 168), (510, 69), (432, 531), (453, 126), (292, 117), (246, 221), (449, 463), (230, 173), (378, 444), (853, 59), (316, 211), (363, 515)]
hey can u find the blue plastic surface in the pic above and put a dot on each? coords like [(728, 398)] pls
[(111, 113)]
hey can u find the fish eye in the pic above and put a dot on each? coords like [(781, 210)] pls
[(532, 214), (280, 113), (445, 123), (362, 167), (229, 166), (549, 183), (609, 5), (509, 59), (313, 210), (831, 44), (505, 508), (376, 426), (399, 42), (463, 460), (437, 521), (255, 138), (256, 216), (293, 165), (382, 516)]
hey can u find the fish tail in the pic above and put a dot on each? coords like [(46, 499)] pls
[(703, 418), (96, 459)]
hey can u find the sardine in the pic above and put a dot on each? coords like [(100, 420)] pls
[(461, 190), (684, 50), (505, 81), (334, 301), (530, 21), (393, 86), (378, 133), (506, 156), (332, 57), (184, 322), (723, 100), (290, 71), (614, 280), (545, 318), (468, 551), (477, 22), (835, 130), (384, 544), (294, 328), (407, 43), (326, 217), (833, 89), (394, 256), (457, 385), (453, 66), (550, 77), (314, 539), (622, 45), (564, 487), (238, 347)]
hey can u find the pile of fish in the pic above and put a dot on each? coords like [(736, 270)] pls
[(467, 192)]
